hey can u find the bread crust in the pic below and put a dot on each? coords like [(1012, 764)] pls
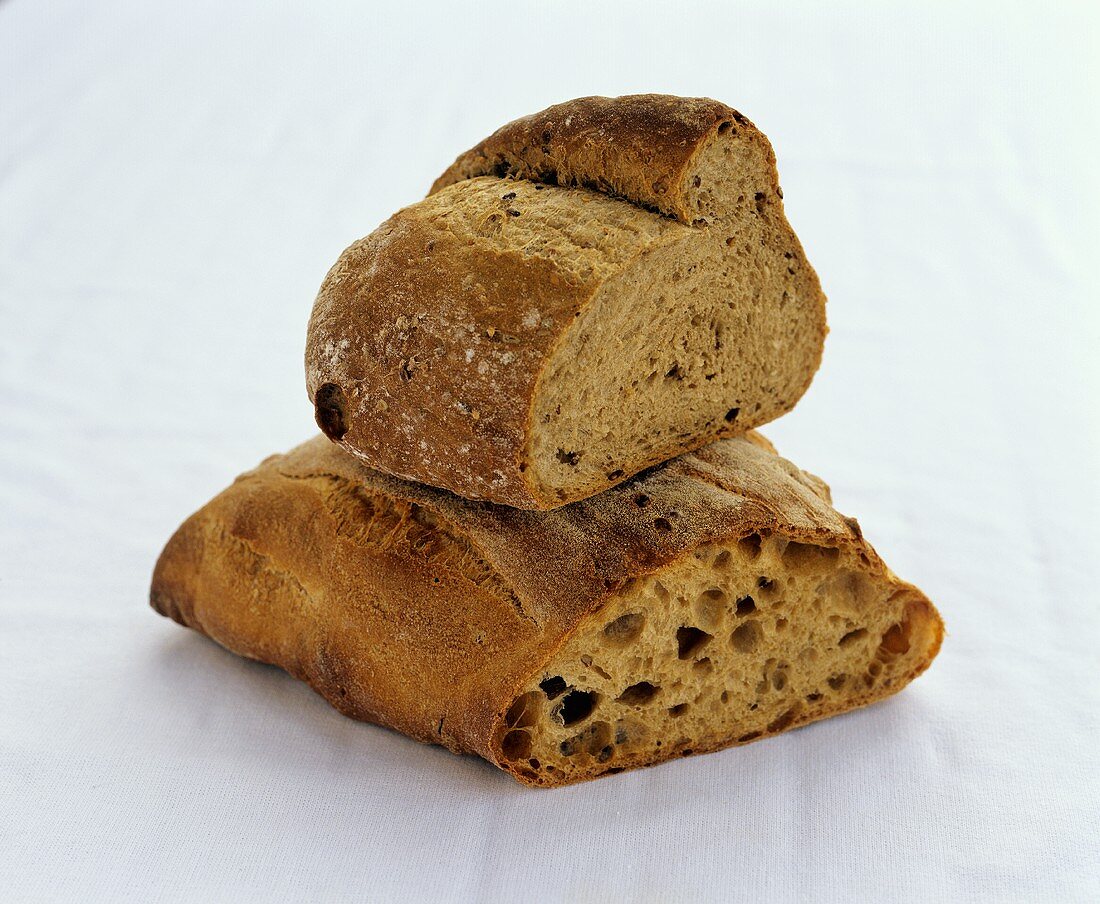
[(438, 385), (638, 147), (415, 609)]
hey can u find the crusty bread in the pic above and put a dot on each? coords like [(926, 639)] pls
[(711, 601), (589, 292)]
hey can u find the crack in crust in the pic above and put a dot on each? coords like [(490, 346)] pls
[(386, 523)]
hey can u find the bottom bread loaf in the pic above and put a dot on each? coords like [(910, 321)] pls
[(711, 601)]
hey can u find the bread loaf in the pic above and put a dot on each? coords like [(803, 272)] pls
[(711, 601), (589, 292)]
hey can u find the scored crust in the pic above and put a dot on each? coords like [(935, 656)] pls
[(415, 609), (436, 342)]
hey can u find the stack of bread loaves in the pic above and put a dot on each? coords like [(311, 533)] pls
[(539, 526)]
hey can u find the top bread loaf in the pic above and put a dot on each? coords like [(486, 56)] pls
[(590, 291)]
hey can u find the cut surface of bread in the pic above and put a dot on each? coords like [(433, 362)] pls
[(738, 641), (711, 601), (587, 293)]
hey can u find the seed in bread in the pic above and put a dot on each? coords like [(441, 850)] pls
[(587, 293), (712, 601)]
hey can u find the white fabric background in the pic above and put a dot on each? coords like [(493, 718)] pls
[(174, 181)]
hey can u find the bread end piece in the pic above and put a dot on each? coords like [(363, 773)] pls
[(645, 148), (587, 293), (712, 601)]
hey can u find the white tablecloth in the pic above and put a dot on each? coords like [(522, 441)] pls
[(174, 181)]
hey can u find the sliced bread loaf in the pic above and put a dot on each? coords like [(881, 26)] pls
[(712, 601), (589, 292)]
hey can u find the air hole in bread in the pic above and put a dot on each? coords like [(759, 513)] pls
[(896, 639), (590, 741), (710, 606), (776, 673), (801, 556), (525, 711), (638, 694), (678, 710), (517, 745), (575, 706), (591, 663), (597, 738), (784, 720), (329, 404), (746, 637), (689, 640), (553, 687), (750, 545), (746, 606), (625, 628), (852, 637)]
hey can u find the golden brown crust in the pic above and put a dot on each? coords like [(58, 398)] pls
[(416, 401), (427, 345), (415, 609)]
